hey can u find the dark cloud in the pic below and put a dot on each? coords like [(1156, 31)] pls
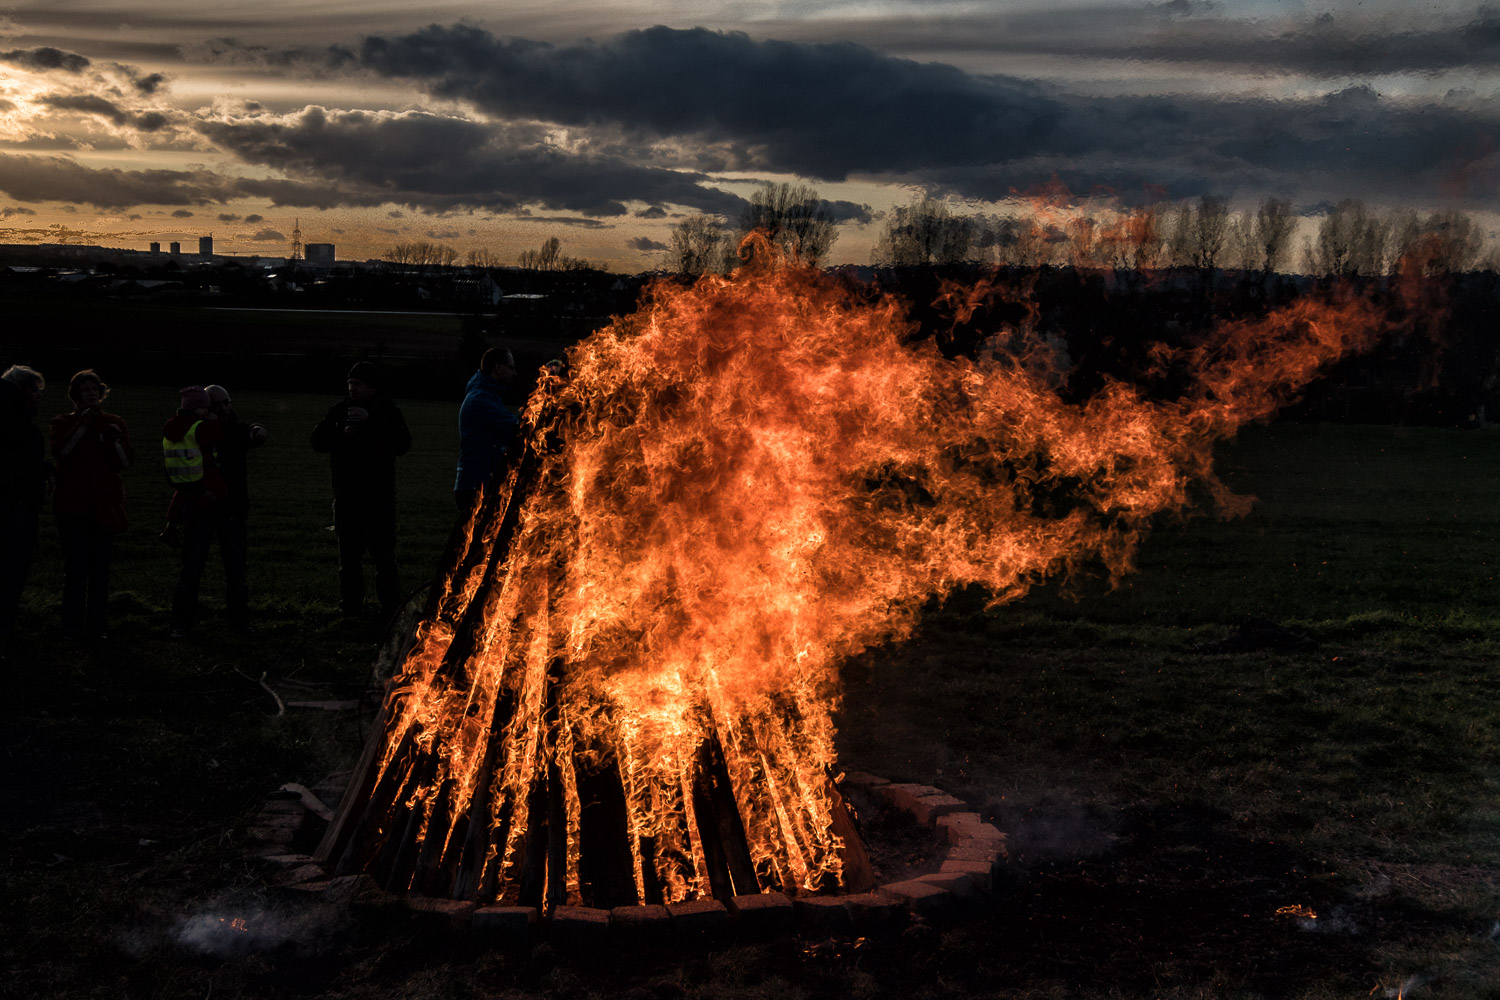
[(442, 234), (569, 220), (6, 213), (1327, 45), (46, 58), (267, 236), (182, 213), (92, 104), (88, 104), (369, 158), (251, 220), (51, 178), (653, 212), (818, 110), (228, 217), (645, 244), (835, 111), (149, 84)]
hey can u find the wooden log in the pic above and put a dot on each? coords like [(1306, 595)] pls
[(857, 875), (606, 868), (356, 799), (426, 867), (707, 827), (731, 825), (651, 889), (533, 860), (557, 837), (359, 826), (468, 869)]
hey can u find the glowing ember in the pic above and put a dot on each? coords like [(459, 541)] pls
[(1296, 911), (624, 693)]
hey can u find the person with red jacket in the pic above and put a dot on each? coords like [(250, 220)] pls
[(92, 449), (190, 441)]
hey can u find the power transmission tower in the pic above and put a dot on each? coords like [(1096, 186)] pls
[(296, 240)]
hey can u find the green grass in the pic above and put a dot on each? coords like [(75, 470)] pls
[(1167, 784)]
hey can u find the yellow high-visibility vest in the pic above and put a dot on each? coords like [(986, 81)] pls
[(184, 458)]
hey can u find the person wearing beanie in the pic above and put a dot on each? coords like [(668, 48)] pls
[(190, 443), (363, 435), (486, 427)]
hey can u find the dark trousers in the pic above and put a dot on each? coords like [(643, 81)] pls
[(199, 529), (87, 548), (18, 524), (367, 526)]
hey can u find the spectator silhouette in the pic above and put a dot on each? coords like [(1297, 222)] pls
[(92, 449), (190, 443), (486, 427), (24, 473), (239, 439), (363, 435)]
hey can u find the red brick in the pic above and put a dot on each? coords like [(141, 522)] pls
[(906, 796), (822, 916), (923, 897), (930, 807), (507, 925), (647, 926), (699, 921), (456, 915), (872, 912), (763, 915), (980, 871), (580, 927)]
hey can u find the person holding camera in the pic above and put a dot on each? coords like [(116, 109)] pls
[(363, 435), (239, 440), (92, 449)]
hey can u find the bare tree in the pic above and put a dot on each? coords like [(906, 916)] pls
[(1274, 225), (1022, 240), (549, 257), (1350, 240), (1443, 241), (482, 257), (793, 218), (422, 255), (699, 245), (1240, 248), (924, 232)]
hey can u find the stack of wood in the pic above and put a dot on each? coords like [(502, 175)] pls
[(380, 828)]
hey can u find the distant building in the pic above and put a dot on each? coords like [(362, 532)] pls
[(175, 247), (319, 253), (206, 245), (156, 248)]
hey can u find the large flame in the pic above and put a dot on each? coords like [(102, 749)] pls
[(738, 487)]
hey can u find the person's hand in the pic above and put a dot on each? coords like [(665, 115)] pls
[(258, 433), (111, 433), (357, 415)]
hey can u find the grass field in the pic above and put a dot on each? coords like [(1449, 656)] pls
[(1296, 708)]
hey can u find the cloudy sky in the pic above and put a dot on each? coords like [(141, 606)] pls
[(489, 125)]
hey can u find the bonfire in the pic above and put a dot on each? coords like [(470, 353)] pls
[(624, 689)]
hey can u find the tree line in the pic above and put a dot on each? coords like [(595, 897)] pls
[(1350, 238)]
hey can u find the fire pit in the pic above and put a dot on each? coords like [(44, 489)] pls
[(956, 868)]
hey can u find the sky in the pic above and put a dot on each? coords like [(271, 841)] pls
[(492, 126)]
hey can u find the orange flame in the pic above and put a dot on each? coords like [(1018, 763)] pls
[(741, 485)]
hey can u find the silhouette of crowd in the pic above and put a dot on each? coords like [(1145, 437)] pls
[(205, 456)]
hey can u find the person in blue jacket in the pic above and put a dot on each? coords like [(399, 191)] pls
[(486, 427)]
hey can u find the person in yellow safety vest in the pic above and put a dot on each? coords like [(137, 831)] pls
[(190, 441)]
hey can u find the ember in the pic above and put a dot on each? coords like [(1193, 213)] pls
[(623, 690)]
